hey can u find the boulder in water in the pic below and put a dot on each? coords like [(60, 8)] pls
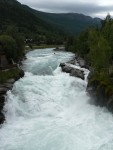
[(72, 71), (77, 73)]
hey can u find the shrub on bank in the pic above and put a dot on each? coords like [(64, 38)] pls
[(9, 74)]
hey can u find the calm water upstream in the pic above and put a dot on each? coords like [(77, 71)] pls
[(49, 110)]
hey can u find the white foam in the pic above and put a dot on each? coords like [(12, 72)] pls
[(51, 112)]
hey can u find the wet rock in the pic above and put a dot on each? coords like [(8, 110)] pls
[(2, 101), (72, 71), (8, 85), (2, 118), (11, 81), (73, 62), (67, 69), (90, 75), (77, 73), (82, 62), (3, 90), (21, 74), (97, 92), (62, 65)]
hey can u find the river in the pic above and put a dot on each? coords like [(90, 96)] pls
[(50, 110)]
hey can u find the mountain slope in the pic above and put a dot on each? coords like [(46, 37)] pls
[(30, 21), (13, 13), (69, 22)]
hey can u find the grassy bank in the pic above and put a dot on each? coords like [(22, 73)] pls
[(8, 74), (42, 46)]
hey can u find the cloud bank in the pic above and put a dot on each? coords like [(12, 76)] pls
[(95, 8)]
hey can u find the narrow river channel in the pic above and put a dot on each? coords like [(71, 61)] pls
[(50, 110)]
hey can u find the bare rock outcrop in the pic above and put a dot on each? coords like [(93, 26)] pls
[(72, 71)]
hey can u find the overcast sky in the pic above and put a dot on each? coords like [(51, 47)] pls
[(95, 8)]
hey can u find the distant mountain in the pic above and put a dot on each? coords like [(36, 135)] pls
[(32, 22), (69, 22), (14, 13)]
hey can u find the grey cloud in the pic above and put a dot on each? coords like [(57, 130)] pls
[(60, 7)]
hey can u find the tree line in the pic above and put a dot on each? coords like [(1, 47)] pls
[(12, 44), (95, 45)]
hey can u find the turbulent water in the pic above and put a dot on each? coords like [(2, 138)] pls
[(49, 110)]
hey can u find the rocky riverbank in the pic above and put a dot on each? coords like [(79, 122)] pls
[(99, 88), (100, 91), (4, 87), (73, 71)]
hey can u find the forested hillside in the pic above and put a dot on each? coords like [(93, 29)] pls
[(71, 23), (32, 21), (95, 45), (12, 13)]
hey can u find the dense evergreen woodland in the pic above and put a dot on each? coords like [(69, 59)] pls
[(95, 45)]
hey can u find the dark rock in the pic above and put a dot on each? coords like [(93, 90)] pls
[(21, 74), (2, 101), (62, 65), (73, 62), (77, 73), (67, 69), (98, 93), (82, 62), (3, 90), (72, 71), (2, 118), (101, 97), (90, 75), (11, 81), (8, 85)]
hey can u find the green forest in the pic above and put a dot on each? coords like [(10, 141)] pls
[(27, 24), (95, 45)]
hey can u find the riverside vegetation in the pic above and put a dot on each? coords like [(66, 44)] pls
[(95, 45), (11, 52)]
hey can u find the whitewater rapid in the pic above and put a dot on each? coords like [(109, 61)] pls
[(50, 110)]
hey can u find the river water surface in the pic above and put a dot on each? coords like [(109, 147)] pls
[(49, 110)]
